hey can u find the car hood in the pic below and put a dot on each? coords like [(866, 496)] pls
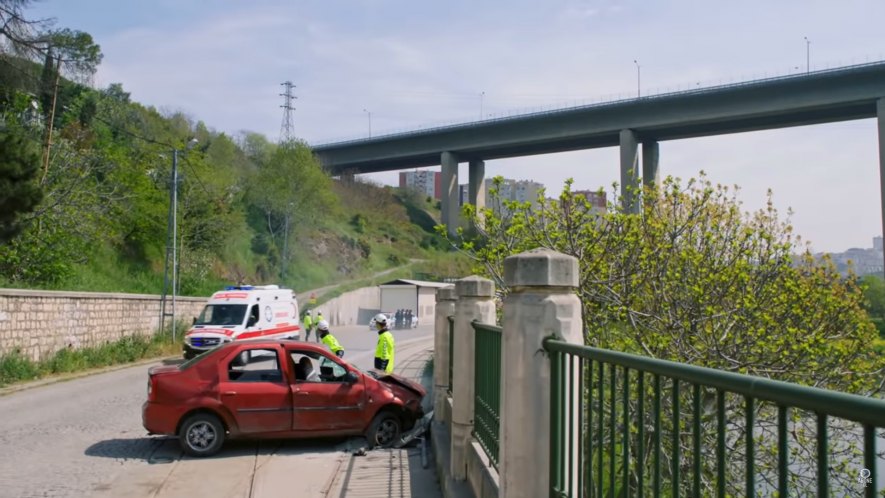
[(398, 380)]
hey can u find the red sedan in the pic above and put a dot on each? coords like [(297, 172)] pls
[(276, 389)]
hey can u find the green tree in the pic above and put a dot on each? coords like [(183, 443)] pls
[(693, 279), (19, 192), (292, 194)]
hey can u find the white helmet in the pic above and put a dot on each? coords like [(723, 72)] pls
[(323, 325), (380, 319)]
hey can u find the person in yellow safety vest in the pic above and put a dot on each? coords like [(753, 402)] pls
[(328, 339), (384, 350), (308, 325), (318, 319)]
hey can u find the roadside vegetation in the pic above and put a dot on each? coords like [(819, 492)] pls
[(16, 367), (694, 279), (85, 178)]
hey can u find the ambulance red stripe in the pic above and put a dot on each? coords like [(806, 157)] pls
[(260, 333)]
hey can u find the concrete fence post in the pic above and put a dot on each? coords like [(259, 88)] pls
[(445, 307), (476, 301), (541, 303)]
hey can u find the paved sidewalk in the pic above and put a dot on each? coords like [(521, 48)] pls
[(397, 473)]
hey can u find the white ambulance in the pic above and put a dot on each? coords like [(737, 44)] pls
[(244, 312)]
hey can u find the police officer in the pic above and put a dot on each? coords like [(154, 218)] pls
[(318, 319), (384, 350), (308, 325), (328, 339)]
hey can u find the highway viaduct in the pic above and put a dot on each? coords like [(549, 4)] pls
[(841, 94)]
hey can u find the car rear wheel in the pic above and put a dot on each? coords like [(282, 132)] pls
[(384, 430), (201, 435)]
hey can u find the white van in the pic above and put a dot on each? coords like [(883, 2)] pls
[(244, 312)]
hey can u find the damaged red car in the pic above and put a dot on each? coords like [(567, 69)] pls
[(263, 389)]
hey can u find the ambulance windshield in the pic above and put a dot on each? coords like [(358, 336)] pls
[(222, 314)]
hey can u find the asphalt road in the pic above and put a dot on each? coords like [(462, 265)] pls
[(84, 437)]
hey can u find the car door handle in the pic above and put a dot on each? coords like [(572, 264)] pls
[(302, 393), (229, 393)]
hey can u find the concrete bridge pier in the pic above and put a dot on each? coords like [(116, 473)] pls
[(476, 301), (629, 170), (880, 115), (475, 190), (650, 155), (449, 203)]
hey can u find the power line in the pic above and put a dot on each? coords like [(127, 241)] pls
[(286, 127)]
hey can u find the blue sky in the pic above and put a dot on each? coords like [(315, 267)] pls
[(413, 63)]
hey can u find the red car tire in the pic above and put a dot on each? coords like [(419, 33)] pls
[(201, 435), (385, 430)]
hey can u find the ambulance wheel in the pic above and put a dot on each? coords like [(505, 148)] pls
[(189, 356)]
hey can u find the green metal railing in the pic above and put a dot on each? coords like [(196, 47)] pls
[(622, 425), (451, 351), (487, 388)]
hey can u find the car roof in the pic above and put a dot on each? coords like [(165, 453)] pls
[(273, 342)]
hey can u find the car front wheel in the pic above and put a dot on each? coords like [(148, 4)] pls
[(201, 435), (384, 430)]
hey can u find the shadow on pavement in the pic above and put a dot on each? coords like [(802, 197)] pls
[(167, 449)]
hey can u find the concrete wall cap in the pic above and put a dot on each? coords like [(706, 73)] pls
[(474, 286), (541, 268), (446, 294)]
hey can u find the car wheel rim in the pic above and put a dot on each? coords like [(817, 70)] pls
[(386, 432), (200, 436)]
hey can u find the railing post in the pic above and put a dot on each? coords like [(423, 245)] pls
[(445, 306), (542, 302), (476, 301)]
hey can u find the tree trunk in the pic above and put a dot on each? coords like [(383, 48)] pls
[(48, 144)]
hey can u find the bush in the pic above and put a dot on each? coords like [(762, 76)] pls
[(15, 367)]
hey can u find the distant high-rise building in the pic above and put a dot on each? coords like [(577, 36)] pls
[(513, 190), (426, 182), (877, 243), (596, 199)]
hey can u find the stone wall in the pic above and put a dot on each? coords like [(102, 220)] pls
[(39, 323)]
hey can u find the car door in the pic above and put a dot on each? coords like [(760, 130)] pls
[(329, 403), (256, 391)]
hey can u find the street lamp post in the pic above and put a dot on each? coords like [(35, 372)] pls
[(370, 122), (172, 241), (481, 95), (807, 55), (638, 79)]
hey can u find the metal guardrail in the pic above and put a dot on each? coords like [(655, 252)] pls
[(513, 116), (600, 426), (487, 388), (451, 351)]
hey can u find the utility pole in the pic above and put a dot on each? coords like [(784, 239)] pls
[(48, 145), (638, 79), (286, 126), (807, 55), (172, 245), (370, 121)]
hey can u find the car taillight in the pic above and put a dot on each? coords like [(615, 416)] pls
[(150, 388)]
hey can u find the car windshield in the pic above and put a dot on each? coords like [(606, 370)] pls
[(222, 314)]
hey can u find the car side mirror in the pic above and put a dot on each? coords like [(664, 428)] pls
[(251, 322), (194, 321), (350, 377)]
